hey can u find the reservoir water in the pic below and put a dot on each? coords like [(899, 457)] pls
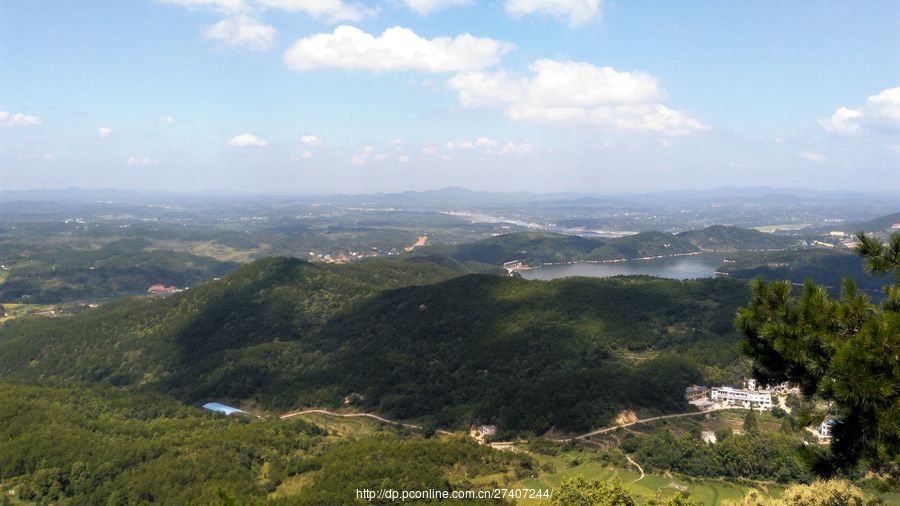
[(703, 265)]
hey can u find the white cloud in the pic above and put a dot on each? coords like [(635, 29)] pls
[(330, 11), (403, 158), (8, 119), (363, 156), (880, 112), (227, 6), (843, 121), (579, 93), (578, 11), (515, 148), (397, 48), (139, 162), (811, 156), (247, 140), (311, 140), (167, 120), (34, 156), (307, 154), (425, 7), (485, 144), (104, 132), (245, 31), (462, 145)]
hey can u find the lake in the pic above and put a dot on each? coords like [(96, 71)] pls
[(703, 265)]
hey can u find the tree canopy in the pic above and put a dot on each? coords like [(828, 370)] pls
[(845, 350)]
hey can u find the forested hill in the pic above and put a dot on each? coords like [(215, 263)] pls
[(726, 238), (407, 339), (880, 224), (535, 248)]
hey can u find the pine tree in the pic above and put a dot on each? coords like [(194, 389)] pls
[(846, 351), (751, 424)]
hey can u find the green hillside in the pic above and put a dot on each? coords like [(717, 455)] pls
[(826, 267), (643, 245), (882, 224), (726, 238), (533, 248), (536, 248), (527, 355), (106, 446), (50, 274)]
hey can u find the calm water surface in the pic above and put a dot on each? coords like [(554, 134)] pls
[(703, 265)]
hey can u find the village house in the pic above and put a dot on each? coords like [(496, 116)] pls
[(751, 399), (162, 290), (696, 393), (481, 433), (514, 266), (825, 428)]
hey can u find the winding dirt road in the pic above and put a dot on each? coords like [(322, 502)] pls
[(629, 424), (356, 415)]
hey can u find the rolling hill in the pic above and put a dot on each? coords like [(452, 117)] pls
[(826, 267), (536, 248), (408, 339), (726, 238)]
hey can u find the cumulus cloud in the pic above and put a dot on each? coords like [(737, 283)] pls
[(104, 132), (311, 140), (247, 140), (34, 156), (515, 148), (425, 7), (244, 31), (403, 158), (486, 145), (167, 120), (8, 119), (577, 92), (811, 156), (577, 11), (397, 48), (363, 156), (139, 162), (330, 11), (880, 112), (227, 6)]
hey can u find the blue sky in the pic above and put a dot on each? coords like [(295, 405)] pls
[(538, 95)]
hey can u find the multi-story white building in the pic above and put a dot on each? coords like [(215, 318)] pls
[(756, 399)]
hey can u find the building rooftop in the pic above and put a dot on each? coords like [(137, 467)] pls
[(221, 408)]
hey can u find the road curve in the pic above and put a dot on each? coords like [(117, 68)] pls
[(355, 415), (635, 464), (629, 424)]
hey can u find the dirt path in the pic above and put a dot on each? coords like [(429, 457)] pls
[(636, 422), (356, 415), (635, 464)]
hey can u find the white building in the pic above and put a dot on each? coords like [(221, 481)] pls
[(825, 428), (761, 399)]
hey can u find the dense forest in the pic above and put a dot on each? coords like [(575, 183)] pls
[(124, 267), (409, 339), (726, 238), (826, 267), (108, 446)]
